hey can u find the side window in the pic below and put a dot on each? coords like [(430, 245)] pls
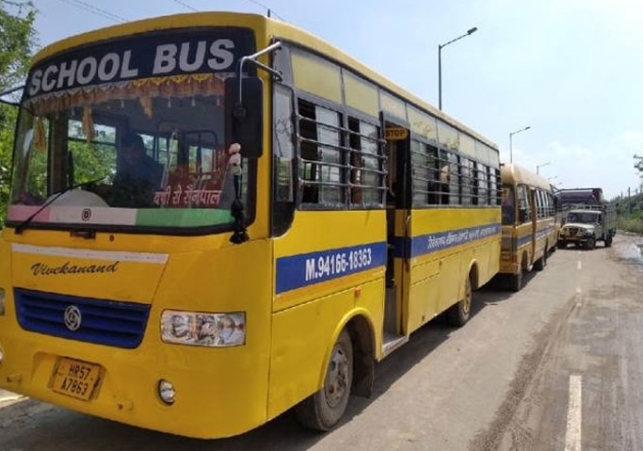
[(469, 180), (367, 164), (426, 174), (420, 174), (523, 203), (283, 176), (283, 145), (495, 184), (483, 184), (454, 171), (450, 178), (323, 159)]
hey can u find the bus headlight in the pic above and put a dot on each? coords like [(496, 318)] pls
[(203, 329), (2, 298)]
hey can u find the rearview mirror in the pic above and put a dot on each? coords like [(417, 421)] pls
[(244, 115)]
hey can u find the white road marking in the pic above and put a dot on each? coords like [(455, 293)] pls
[(574, 411), (578, 265)]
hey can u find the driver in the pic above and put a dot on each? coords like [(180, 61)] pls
[(135, 165), (138, 176)]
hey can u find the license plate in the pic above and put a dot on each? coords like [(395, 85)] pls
[(75, 378)]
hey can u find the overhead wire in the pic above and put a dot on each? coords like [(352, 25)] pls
[(268, 9), (95, 10), (182, 3), (254, 2)]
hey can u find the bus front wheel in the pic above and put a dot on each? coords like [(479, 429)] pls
[(322, 410)]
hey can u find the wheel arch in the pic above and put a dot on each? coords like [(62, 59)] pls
[(474, 274), (360, 327)]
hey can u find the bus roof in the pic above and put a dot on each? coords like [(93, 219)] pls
[(257, 22), (514, 174)]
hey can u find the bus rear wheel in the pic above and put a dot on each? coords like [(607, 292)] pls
[(459, 314), (515, 282), (541, 262), (322, 410)]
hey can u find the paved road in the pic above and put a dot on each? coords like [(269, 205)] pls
[(553, 367)]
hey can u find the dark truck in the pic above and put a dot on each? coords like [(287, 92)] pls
[(586, 218)]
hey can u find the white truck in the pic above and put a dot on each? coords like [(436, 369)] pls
[(587, 218)]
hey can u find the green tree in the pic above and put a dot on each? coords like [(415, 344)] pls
[(16, 47), (638, 164)]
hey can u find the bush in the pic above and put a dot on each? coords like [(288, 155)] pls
[(631, 224)]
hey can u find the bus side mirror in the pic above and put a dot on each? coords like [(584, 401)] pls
[(244, 116)]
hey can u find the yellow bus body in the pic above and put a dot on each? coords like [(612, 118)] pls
[(526, 243), (290, 333)]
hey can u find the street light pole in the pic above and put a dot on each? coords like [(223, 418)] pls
[(511, 150), (538, 166), (440, 47)]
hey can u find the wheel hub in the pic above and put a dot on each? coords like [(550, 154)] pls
[(337, 377)]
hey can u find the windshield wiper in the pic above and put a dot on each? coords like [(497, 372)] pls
[(24, 224)]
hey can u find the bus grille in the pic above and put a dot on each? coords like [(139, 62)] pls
[(111, 323)]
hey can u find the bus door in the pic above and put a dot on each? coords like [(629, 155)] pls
[(398, 220), (533, 207)]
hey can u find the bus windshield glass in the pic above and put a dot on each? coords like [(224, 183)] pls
[(146, 116), (508, 205)]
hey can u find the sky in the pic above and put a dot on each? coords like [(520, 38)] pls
[(571, 70)]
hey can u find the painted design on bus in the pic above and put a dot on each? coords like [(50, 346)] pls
[(42, 269), (297, 271), (539, 234), (434, 242)]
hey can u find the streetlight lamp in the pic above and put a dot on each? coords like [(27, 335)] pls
[(538, 166), (470, 31), (511, 150)]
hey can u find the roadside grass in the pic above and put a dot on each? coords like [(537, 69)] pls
[(633, 225)]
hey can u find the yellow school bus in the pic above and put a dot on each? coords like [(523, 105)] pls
[(529, 229), (217, 217)]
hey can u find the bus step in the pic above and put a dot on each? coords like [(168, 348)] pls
[(392, 342)]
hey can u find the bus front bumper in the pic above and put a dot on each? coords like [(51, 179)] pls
[(223, 395)]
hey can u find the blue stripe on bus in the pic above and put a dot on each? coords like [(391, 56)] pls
[(434, 242), (541, 233), (297, 271)]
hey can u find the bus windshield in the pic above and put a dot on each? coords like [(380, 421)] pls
[(508, 205), (156, 143)]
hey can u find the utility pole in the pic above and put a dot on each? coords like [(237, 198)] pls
[(629, 201)]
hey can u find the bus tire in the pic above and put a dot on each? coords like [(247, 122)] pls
[(323, 409), (608, 241), (541, 262), (458, 314), (515, 282)]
